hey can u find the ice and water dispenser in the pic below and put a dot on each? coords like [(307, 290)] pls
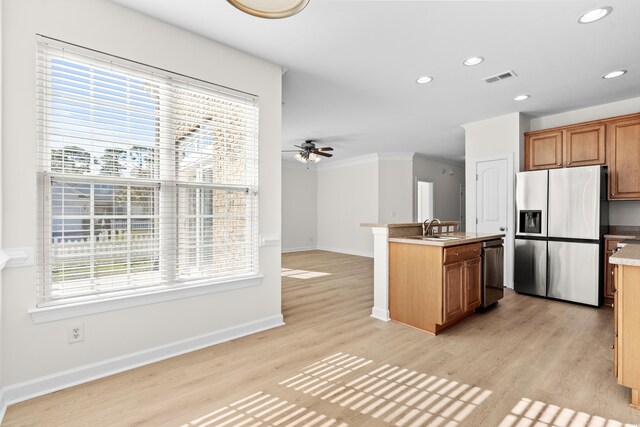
[(530, 222)]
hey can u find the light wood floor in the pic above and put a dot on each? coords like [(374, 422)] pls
[(527, 359)]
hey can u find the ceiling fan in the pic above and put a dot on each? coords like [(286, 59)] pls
[(308, 152)]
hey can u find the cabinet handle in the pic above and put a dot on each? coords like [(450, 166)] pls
[(568, 163), (455, 253), (559, 164), (613, 347)]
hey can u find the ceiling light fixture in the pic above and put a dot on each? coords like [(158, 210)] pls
[(595, 15), (614, 74), (307, 157), (424, 79), (273, 9), (521, 97), (473, 60)]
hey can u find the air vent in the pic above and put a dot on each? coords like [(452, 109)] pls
[(502, 76)]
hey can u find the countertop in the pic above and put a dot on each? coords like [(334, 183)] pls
[(629, 255), (463, 238), (405, 224)]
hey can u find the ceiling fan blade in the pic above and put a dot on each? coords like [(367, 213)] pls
[(320, 153), (298, 147), (325, 149)]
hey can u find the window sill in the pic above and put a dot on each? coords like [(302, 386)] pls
[(85, 308)]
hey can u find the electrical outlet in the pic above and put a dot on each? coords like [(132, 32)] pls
[(75, 333)]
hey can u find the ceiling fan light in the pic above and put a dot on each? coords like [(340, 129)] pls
[(313, 157), (273, 9), (300, 157)]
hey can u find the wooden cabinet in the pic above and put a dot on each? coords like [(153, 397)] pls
[(453, 304), (431, 287), (627, 329), (614, 142), (610, 247), (543, 150), (623, 141), (585, 146), (473, 284)]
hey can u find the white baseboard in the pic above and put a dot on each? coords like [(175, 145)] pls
[(3, 405), (380, 314), (39, 386), (300, 249), (345, 251)]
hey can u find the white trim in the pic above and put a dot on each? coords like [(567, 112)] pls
[(39, 386), (396, 156), (380, 314), (380, 309), (345, 251), (368, 158), (3, 405), (4, 259), (299, 249), (50, 314)]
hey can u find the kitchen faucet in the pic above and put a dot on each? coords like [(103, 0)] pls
[(427, 229)]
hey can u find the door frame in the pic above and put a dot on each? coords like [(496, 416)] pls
[(509, 240)]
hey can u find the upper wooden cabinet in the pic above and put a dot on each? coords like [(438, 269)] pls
[(623, 140), (585, 146), (570, 147), (543, 150), (614, 142)]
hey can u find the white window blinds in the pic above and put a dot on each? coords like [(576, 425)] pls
[(147, 180)]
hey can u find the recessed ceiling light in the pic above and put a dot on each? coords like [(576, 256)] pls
[(521, 97), (424, 79), (474, 60), (594, 15), (614, 74)]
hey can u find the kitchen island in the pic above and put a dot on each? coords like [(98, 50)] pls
[(626, 346), (400, 256)]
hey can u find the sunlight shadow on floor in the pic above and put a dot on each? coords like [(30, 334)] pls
[(390, 393), (262, 409), (302, 274), (540, 414)]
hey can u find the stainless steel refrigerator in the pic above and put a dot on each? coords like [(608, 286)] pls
[(561, 217)]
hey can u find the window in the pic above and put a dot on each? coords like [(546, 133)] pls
[(146, 180)]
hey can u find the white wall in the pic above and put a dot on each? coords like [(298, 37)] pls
[(347, 197), (33, 350), (1, 209), (299, 207), (446, 186), (395, 184), (620, 212)]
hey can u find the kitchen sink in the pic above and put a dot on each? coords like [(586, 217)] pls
[(433, 237)]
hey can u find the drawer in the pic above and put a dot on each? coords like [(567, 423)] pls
[(462, 252)]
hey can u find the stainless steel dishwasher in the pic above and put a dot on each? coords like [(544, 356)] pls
[(492, 272)]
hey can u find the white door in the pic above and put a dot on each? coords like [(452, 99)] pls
[(492, 201)]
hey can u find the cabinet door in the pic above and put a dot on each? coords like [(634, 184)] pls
[(610, 246), (615, 326), (473, 284), (585, 146), (543, 150), (453, 291), (623, 140)]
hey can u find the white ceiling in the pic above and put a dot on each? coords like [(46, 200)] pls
[(352, 64)]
